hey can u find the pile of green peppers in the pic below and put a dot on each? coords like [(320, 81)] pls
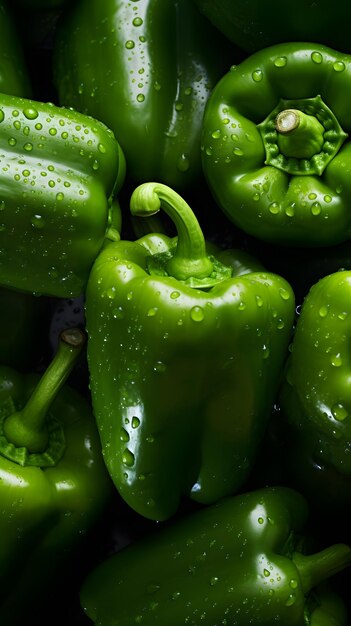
[(175, 287)]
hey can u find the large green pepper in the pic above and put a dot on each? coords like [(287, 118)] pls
[(315, 392), (275, 148), (184, 359), (14, 72), (59, 171), (237, 562), (147, 73), (253, 24), (53, 482)]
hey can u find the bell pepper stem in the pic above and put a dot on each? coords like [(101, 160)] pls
[(299, 135), (27, 428), (190, 258), (315, 568)]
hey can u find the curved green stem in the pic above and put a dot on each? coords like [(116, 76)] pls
[(190, 258), (315, 568), (27, 428), (299, 135)]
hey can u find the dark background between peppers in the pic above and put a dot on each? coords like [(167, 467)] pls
[(301, 268)]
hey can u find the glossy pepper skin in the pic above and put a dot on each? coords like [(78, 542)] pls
[(276, 150), (54, 485), (14, 72), (147, 73), (184, 359), (254, 25), (315, 394), (237, 562), (59, 172)]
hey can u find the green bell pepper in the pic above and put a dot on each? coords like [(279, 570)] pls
[(237, 562), (59, 172), (147, 73), (53, 482), (184, 359), (14, 71), (315, 395), (254, 25), (24, 327), (275, 149)]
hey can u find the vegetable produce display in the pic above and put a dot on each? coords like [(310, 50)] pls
[(175, 277)]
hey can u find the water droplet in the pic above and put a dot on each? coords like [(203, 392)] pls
[(266, 573), (257, 76), (159, 367), (242, 306), (280, 61), (2, 115), (259, 301), (290, 210), (59, 196), (339, 66), (216, 134), (28, 147), (175, 295), (26, 173), (327, 198), (316, 208), (157, 85), (124, 435), (266, 351), (129, 44), (197, 314), (135, 421), (38, 221), (280, 324), (342, 316), (183, 163), (12, 141), (291, 599), (128, 458), (260, 520), (336, 360), (274, 208), (238, 151), (101, 148), (52, 132), (339, 412), (137, 21), (152, 312), (316, 57), (323, 311), (17, 124), (214, 580), (284, 294), (175, 595), (140, 97)]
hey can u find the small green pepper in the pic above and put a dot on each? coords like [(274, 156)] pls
[(184, 359), (53, 482), (276, 152), (239, 562)]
